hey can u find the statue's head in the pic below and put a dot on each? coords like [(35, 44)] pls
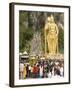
[(52, 18), (48, 19)]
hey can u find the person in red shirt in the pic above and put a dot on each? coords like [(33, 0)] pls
[(35, 71)]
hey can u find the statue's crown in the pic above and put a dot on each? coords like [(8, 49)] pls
[(52, 17)]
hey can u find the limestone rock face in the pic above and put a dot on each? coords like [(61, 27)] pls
[(36, 44)]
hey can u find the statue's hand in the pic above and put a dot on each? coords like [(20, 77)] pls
[(57, 35), (45, 38)]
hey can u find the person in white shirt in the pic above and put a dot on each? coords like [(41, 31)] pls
[(49, 74), (53, 71), (61, 71), (21, 70), (41, 71), (29, 68)]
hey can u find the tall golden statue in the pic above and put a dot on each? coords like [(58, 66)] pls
[(51, 36)]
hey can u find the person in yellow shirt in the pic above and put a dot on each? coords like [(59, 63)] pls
[(25, 72)]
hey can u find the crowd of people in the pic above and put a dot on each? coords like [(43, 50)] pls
[(41, 69)]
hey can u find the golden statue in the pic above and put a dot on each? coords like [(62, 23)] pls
[(51, 36)]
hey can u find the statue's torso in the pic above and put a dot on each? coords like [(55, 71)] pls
[(52, 30)]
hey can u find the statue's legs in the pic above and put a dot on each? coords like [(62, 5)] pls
[(49, 41), (52, 44)]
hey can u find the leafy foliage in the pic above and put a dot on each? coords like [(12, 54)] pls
[(26, 33), (61, 40)]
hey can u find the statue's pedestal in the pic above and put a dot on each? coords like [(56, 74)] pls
[(55, 56)]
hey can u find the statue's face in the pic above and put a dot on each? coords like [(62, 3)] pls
[(48, 19), (52, 19)]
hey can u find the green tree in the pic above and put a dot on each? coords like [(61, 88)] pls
[(61, 40), (25, 32)]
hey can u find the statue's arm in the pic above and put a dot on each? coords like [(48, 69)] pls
[(45, 29), (45, 33), (46, 26), (57, 30)]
